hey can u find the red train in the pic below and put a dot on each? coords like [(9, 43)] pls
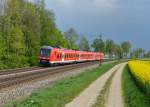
[(51, 55)]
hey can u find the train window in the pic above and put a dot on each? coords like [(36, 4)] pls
[(57, 55), (45, 52), (65, 56)]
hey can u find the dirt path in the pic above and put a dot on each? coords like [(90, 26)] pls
[(115, 94), (88, 97)]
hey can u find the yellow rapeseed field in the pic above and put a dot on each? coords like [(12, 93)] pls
[(141, 71)]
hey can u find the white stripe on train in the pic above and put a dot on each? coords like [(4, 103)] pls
[(54, 62)]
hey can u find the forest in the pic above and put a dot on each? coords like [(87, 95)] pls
[(25, 26)]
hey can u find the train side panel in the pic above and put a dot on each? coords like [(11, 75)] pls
[(60, 56)]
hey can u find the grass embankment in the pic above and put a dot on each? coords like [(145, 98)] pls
[(63, 91), (133, 96)]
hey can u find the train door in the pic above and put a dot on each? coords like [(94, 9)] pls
[(79, 56), (63, 57)]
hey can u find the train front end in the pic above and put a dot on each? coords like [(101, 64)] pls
[(45, 55)]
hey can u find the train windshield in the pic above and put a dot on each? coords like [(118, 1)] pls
[(45, 52)]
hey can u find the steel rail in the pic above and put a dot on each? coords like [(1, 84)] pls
[(36, 74)]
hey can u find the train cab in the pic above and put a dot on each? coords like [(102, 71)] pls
[(45, 54)]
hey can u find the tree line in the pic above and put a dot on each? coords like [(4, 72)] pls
[(25, 26), (119, 50), (109, 47)]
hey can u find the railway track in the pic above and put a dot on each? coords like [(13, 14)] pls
[(10, 71), (28, 69), (11, 78)]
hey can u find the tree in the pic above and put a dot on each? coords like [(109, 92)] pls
[(24, 27), (137, 53), (84, 44), (147, 54), (141, 52), (72, 36), (110, 47), (118, 51), (2, 7), (98, 45), (11, 29), (126, 46)]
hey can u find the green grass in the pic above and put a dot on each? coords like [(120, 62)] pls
[(133, 96), (63, 91), (147, 59)]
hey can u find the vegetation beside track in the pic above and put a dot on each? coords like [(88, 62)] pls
[(63, 91), (133, 95)]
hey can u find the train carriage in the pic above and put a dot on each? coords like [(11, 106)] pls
[(51, 55)]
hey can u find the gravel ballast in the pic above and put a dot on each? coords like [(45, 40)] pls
[(13, 93)]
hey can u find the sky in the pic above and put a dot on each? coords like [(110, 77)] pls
[(119, 20)]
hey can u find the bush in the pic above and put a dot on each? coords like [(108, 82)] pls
[(13, 61)]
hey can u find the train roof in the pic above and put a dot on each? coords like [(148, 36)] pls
[(68, 50), (47, 47)]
